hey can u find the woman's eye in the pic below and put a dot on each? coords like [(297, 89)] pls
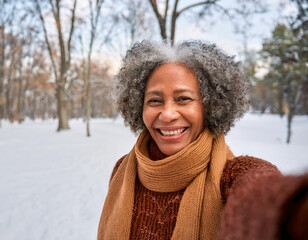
[(154, 102), (183, 99)]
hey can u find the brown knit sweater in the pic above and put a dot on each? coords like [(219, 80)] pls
[(259, 203)]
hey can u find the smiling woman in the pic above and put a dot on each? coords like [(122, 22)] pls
[(221, 82), (181, 180), (172, 110)]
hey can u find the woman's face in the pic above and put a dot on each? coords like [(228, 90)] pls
[(172, 108)]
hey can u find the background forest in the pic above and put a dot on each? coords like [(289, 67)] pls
[(58, 57)]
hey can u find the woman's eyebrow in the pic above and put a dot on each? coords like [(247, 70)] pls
[(178, 91), (154, 92), (183, 91)]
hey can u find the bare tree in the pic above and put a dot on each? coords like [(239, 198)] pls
[(95, 12), (7, 13), (12, 43), (135, 20), (60, 71), (164, 14), (2, 55), (30, 82)]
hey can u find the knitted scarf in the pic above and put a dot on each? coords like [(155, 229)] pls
[(198, 168)]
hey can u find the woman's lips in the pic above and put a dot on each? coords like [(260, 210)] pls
[(171, 133)]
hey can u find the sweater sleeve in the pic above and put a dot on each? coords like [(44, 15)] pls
[(261, 203)]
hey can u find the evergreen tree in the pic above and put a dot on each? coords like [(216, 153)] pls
[(287, 73)]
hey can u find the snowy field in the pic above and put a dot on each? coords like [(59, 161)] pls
[(53, 185)]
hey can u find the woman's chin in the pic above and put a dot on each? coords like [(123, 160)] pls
[(170, 150)]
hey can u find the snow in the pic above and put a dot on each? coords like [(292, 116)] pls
[(53, 185)]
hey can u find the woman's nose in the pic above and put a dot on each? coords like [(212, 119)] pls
[(169, 112)]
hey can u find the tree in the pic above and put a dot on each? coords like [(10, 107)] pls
[(275, 51), (259, 95), (134, 20), (287, 69), (299, 27), (61, 69), (164, 14), (95, 12), (300, 21), (7, 13), (31, 78), (11, 55)]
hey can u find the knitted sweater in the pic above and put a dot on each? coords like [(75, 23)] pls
[(260, 203)]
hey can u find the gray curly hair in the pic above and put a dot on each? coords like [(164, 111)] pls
[(222, 83)]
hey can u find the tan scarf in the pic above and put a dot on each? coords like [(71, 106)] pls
[(198, 168)]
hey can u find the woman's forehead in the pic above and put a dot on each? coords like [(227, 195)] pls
[(172, 78)]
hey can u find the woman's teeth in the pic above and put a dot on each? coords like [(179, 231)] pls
[(172, 133)]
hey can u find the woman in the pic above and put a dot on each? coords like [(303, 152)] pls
[(181, 180)]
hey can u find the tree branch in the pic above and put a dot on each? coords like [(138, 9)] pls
[(166, 9), (68, 61), (173, 21), (47, 40), (53, 9), (161, 19), (61, 44), (195, 5)]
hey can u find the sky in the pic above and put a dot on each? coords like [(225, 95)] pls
[(222, 32)]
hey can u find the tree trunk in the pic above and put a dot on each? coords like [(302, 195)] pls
[(88, 112), (62, 109), (65, 57), (19, 101), (280, 102), (173, 22), (94, 20), (20, 116), (33, 109), (88, 99), (2, 56), (161, 18), (9, 113), (88, 89), (290, 118)]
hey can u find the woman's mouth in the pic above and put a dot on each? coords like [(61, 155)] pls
[(170, 133)]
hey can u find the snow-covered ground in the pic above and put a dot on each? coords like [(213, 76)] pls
[(53, 185)]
